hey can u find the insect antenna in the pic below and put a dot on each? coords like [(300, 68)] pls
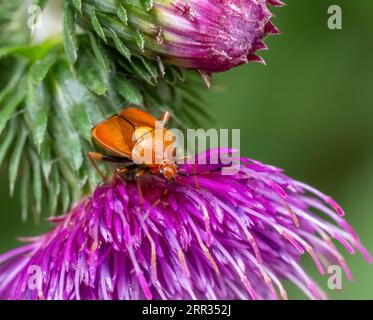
[(165, 118)]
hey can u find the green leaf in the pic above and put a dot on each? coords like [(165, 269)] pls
[(191, 102), (67, 141), (139, 40), (82, 176), (81, 121), (120, 46), (65, 195), (30, 52), (77, 5), (94, 82), (148, 4), (25, 190), (140, 71), (54, 190), (40, 68), (71, 177), (37, 181), (40, 3), (93, 177), (6, 142), (24, 51), (73, 98), (150, 68), (122, 14), (188, 114), (46, 158), (16, 75), (95, 112), (76, 195), (128, 91), (174, 75), (97, 50), (16, 158), (11, 105), (70, 43), (38, 106), (97, 26)]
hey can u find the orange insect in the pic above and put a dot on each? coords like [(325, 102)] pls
[(139, 142)]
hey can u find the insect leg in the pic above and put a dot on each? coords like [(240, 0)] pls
[(165, 118), (139, 174), (195, 176), (161, 198), (120, 171), (112, 159), (95, 156)]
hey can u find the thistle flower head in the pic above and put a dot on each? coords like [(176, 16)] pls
[(208, 35), (224, 237), (214, 35)]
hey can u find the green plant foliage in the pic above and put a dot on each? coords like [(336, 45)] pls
[(13, 23), (52, 95)]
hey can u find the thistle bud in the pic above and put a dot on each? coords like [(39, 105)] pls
[(208, 35)]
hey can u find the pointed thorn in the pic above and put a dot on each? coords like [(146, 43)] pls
[(161, 66), (260, 46), (276, 3), (255, 58), (207, 78), (272, 29)]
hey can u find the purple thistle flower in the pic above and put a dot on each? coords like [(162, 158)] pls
[(217, 237), (208, 35), (215, 35)]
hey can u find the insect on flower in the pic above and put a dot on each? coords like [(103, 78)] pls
[(138, 142)]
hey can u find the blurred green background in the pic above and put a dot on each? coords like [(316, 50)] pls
[(309, 111)]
